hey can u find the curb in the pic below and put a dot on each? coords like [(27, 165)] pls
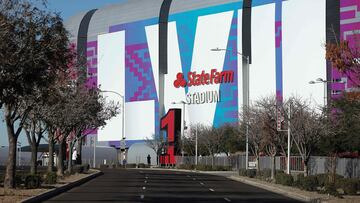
[(274, 189), (56, 191)]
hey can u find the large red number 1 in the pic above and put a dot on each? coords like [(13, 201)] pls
[(171, 122)]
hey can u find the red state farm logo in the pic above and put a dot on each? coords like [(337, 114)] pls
[(203, 78), (180, 81)]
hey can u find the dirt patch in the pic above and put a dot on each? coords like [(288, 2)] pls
[(293, 191), (19, 194)]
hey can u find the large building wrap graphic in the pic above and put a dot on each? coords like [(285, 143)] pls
[(349, 31), (283, 39)]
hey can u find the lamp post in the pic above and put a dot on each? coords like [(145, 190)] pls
[(246, 96), (325, 82), (122, 141), (196, 145)]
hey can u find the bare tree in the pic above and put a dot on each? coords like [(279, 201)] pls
[(273, 140), (156, 142), (252, 118), (34, 48), (306, 128)]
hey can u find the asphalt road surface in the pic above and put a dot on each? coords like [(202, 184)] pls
[(135, 185)]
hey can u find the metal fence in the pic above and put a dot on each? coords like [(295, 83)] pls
[(345, 166)]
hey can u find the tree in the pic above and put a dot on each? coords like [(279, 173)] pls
[(156, 142), (34, 48), (34, 128), (251, 118), (272, 140), (342, 117), (306, 128), (345, 59), (231, 141)]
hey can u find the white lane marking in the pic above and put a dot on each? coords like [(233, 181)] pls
[(194, 178), (201, 183), (227, 199), (145, 181), (146, 177), (212, 190), (142, 196), (144, 188)]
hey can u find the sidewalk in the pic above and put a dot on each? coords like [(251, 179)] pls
[(292, 192)]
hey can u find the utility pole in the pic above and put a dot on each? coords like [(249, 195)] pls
[(196, 145), (289, 141), (94, 164)]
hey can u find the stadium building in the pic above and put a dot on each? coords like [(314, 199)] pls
[(158, 53)]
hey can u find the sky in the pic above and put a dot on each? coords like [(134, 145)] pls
[(66, 8)]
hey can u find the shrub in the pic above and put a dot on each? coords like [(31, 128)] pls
[(350, 186), (322, 179), (330, 188), (284, 179), (309, 183), (251, 173), (264, 174), (204, 167), (86, 167), (50, 178), (141, 165), (221, 168), (2, 178), (299, 180), (32, 181), (78, 169), (186, 166), (104, 166), (19, 179), (242, 172), (130, 165)]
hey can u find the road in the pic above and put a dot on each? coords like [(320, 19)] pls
[(135, 185)]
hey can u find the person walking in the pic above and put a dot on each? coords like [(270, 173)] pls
[(149, 160), (74, 156)]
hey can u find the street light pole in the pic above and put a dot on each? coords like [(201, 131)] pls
[(289, 136), (94, 163), (196, 145), (246, 96), (289, 140), (325, 82), (246, 84)]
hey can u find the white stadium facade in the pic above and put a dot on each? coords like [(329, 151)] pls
[(156, 53)]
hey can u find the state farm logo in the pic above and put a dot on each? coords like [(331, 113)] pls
[(203, 78), (180, 81)]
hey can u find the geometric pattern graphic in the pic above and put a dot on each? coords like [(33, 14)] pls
[(91, 55), (227, 109), (278, 51), (349, 31), (140, 85), (139, 80)]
